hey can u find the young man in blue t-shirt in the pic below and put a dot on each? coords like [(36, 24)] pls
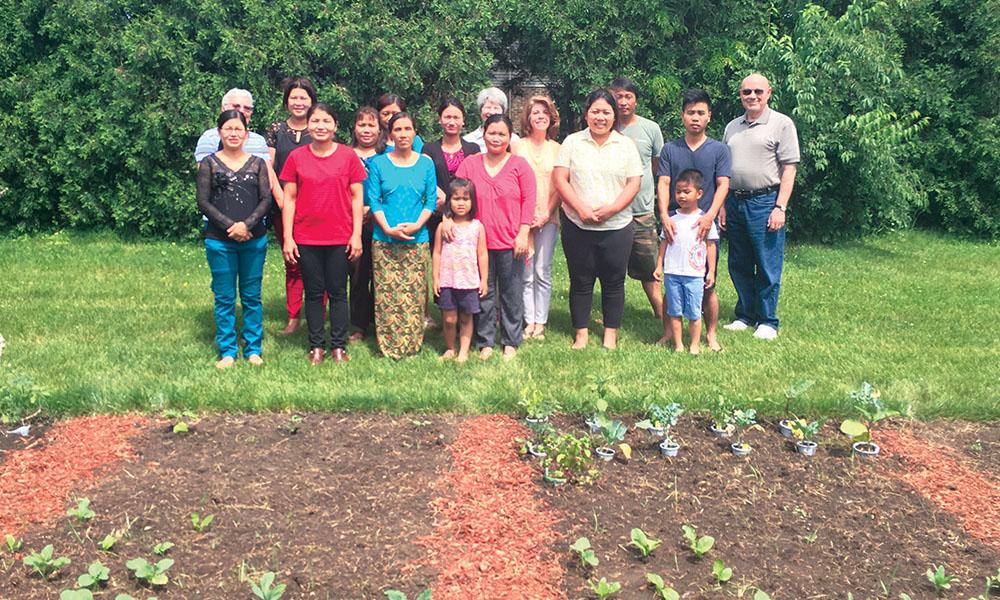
[(695, 150)]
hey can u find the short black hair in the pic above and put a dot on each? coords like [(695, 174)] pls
[(607, 96), (694, 96), (298, 83), (464, 184), (692, 176), (228, 115), (398, 116), (499, 118), (624, 83), (323, 106), (450, 101)]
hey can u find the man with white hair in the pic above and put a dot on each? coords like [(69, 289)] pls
[(491, 101), (209, 142)]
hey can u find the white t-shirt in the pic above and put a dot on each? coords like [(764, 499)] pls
[(687, 256)]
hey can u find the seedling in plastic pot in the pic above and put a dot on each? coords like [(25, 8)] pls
[(660, 418), (96, 575), (587, 556), (150, 573), (699, 545), (265, 589), (200, 523), (81, 594), (742, 420), (721, 572), (397, 595), (611, 431), (82, 510), (44, 563), (940, 580), (643, 543), (13, 544), (108, 542), (604, 588), (663, 591), (162, 548), (793, 392)]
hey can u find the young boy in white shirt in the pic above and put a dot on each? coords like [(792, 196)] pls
[(687, 264)]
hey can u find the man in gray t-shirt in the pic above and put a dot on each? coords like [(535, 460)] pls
[(765, 149), (649, 141)]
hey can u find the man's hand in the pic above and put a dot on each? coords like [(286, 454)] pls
[(704, 225), (777, 219), (658, 273), (710, 280), (722, 218), (669, 229)]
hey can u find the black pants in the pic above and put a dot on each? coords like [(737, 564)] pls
[(362, 285), (592, 255), (324, 269)]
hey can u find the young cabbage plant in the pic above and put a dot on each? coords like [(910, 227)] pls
[(162, 548), (152, 574), (44, 563), (265, 588), (663, 591), (699, 545), (743, 419), (13, 544), (588, 558), (939, 579), (397, 595), (867, 401), (82, 510), (645, 544), (200, 523), (80, 594), (721, 572), (604, 588), (96, 574)]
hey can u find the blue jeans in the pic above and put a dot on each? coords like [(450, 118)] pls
[(237, 263), (756, 256)]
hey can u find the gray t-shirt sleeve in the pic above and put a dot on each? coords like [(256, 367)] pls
[(788, 144)]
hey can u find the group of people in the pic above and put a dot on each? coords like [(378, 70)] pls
[(360, 224)]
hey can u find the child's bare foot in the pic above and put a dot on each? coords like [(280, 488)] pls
[(663, 341), (509, 352), (695, 350), (485, 353), (448, 355), (580, 341), (462, 357), (713, 344)]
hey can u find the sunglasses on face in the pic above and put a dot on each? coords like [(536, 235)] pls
[(748, 91)]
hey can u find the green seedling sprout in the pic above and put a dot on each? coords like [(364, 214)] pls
[(128, 597), (939, 579), (604, 588), (742, 419), (96, 574), (661, 417), (81, 594), (183, 419), (200, 523), (44, 563), (794, 391), (721, 572), (571, 457), (397, 595), (162, 548), (536, 405), (13, 544), (643, 543), (722, 413), (583, 549), (699, 545), (152, 574), (108, 542), (265, 589), (663, 591), (805, 431), (82, 510), (760, 595), (867, 401)]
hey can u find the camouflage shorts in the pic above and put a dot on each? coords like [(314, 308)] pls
[(645, 248)]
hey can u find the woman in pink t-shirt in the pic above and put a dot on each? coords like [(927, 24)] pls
[(322, 220), (505, 192)]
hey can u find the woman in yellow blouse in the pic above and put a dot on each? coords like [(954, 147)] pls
[(539, 126)]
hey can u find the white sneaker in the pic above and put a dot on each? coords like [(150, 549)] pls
[(736, 325), (765, 332)]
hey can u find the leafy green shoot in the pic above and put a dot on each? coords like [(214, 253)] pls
[(44, 563), (939, 579), (645, 544), (699, 545), (588, 558), (265, 588), (663, 591), (721, 572), (96, 574), (13, 544), (152, 574), (162, 548), (200, 523), (604, 588), (82, 510)]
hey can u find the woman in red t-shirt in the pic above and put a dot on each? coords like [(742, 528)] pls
[(322, 220)]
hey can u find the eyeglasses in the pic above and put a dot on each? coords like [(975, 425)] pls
[(748, 91), (242, 108)]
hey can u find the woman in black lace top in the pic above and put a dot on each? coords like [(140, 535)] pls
[(234, 192)]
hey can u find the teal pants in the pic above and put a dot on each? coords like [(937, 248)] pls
[(237, 265)]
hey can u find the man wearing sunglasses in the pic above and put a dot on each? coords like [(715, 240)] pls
[(765, 152), (209, 142)]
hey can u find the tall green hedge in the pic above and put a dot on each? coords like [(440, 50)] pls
[(101, 101)]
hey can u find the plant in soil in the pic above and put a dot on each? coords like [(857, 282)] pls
[(129, 597), (806, 431), (611, 431), (721, 413), (721, 572), (571, 458), (743, 419), (543, 434), (152, 574), (13, 544), (81, 594), (82, 510), (643, 542), (44, 563), (162, 548), (663, 591), (397, 595), (536, 406), (867, 403), (265, 588), (96, 574), (604, 588), (585, 552), (183, 419), (794, 392), (939, 579), (108, 542), (200, 523), (698, 545), (760, 594), (661, 418)]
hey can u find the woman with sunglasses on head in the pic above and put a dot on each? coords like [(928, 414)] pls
[(283, 137), (597, 173), (322, 219), (234, 193)]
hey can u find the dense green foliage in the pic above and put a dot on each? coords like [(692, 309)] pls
[(101, 101)]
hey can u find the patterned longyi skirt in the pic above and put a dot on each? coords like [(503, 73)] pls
[(400, 273)]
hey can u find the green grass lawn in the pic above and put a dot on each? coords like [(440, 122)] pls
[(105, 325)]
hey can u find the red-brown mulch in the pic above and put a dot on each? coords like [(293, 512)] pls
[(493, 534), (937, 475), (35, 481)]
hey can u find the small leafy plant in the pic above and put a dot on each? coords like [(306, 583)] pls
[(722, 413), (698, 545), (96, 574), (536, 405), (867, 402), (183, 419), (162, 548), (44, 563), (742, 419), (805, 431), (397, 595), (13, 544), (661, 417), (794, 391), (721, 572), (129, 597), (663, 591), (200, 523), (645, 544), (108, 542), (572, 458), (604, 588), (939, 579), (80, 594), (760, 595), (265, 588), (588, 558), (152, 574), (82, 510)]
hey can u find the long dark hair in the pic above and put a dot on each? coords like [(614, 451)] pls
[(297, 83), (461, 184), (228, 115)]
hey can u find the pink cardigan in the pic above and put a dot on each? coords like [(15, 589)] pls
[(504, 202)]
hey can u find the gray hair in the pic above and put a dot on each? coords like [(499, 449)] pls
[(493, 94), (233, 93)]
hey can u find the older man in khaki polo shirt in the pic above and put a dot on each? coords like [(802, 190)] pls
[(765, 149)]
